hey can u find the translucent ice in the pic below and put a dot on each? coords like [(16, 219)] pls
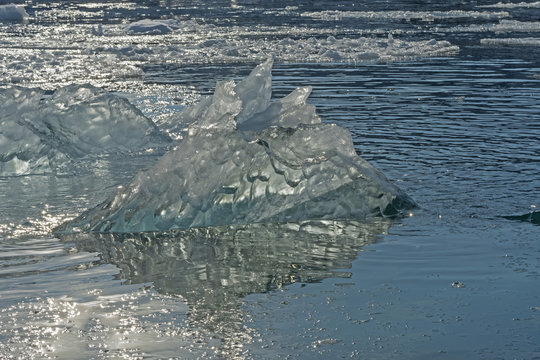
[(244, 161), (39, 132), (231, 103)]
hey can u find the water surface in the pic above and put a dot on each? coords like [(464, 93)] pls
[(458, 131)]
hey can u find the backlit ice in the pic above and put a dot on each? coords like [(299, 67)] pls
[(42, 132), (119, 116), (244, 161)]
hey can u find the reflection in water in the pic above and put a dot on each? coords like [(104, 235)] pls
[(532, 217), (212, 269)]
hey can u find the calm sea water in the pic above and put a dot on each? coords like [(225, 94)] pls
[(459, 132)]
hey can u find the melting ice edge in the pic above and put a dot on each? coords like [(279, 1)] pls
[(243, 160)]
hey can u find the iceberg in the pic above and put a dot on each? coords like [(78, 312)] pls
[(41, 131), (245, 160)]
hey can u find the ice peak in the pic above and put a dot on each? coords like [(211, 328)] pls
[(255, 91)]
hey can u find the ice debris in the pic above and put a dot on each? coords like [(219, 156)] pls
[(245, 161), (399, 15), (287, 49), (39, 132), (525, 41), (510, 5), (13, 13)]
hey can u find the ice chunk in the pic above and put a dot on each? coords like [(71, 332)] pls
[(215, 111), (12, 12), (38, 132), (301, 50), (83, 119), (21, 151), (149, 27), (400, 15), (221, 175)]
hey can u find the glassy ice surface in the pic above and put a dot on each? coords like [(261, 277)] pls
[(441, 97), (224, 172)]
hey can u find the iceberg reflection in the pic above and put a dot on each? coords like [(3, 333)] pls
[(214, 268)]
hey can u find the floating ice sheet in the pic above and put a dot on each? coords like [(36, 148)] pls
[(511, 5), (503, 26), (526, 41), (426, 16), (111, 54), (244, 161)]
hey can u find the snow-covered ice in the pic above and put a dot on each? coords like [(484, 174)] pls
[(40, 132), (244, 161)]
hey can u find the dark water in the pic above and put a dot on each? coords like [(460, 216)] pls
[(457, 279)]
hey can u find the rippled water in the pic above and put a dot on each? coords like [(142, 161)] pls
[(458, 131)]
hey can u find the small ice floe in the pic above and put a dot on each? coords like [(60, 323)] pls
[(13, 13), (151, 27)]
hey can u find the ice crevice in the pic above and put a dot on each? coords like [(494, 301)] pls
[(246, 159)]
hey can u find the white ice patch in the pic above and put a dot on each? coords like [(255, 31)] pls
[(425, 16), (14, 13), (503, 26), (528, 41), (244, 161), (104, 56), (510, 5)]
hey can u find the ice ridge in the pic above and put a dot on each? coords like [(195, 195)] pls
[(245, 160)]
